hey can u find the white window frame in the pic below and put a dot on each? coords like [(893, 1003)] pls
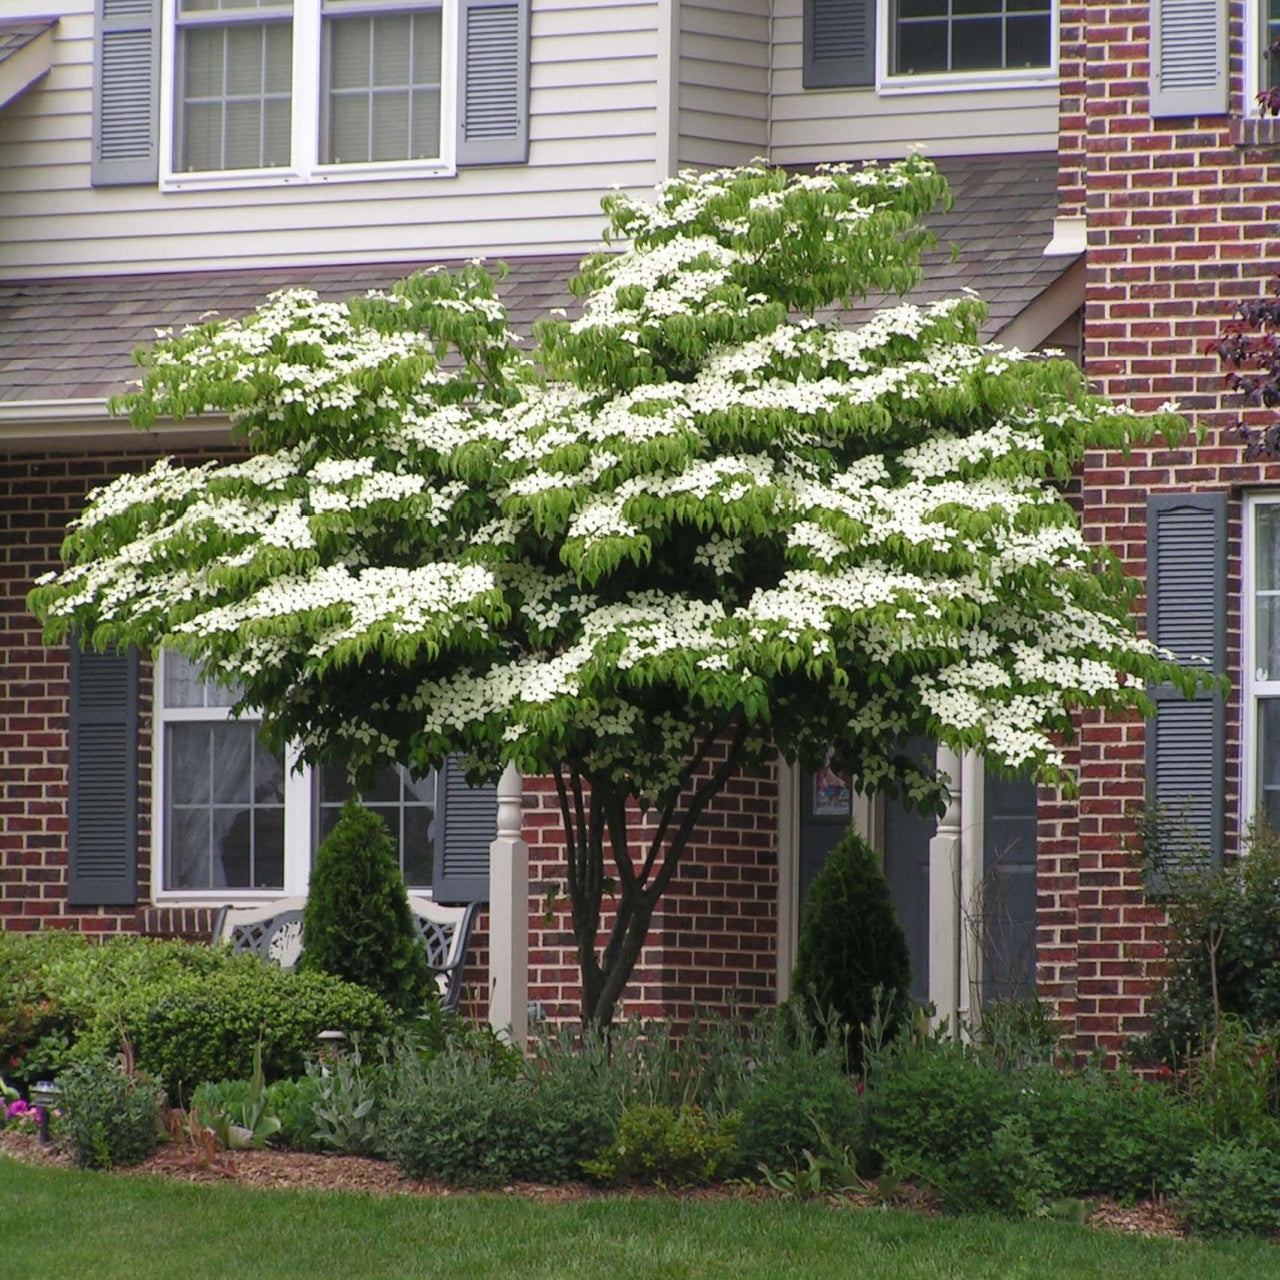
[(301, 812), (297, 810), (305, 166), (1254, 690), (890, 85)]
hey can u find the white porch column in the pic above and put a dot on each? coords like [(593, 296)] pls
[(509, 916), (944, 899)]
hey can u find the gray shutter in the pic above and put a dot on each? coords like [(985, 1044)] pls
[(468, 818), (102, 781), (493, 76), (126, 93), (839, 43), (1188, 57), (1187, 613)]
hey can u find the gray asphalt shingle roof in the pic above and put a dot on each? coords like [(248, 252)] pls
[(73, 338)]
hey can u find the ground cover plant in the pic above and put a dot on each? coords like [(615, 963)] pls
[(687, 530), (199, 1231)]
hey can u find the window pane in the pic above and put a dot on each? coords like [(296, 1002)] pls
[(418, 846), (1267, 526), (1028, 42), (232, 762), (188, 758), (204, 59), (268, 848), (977, 6), (426, 49), (278, 57), (390, 126), (922, 8), (426, 124), (348, 130), (1268, 638), (392, 49), (183, 682), (922, 47), (232, 843), (186, 849), (246, 56), (349, 52), (1269, 760), (976, 44)]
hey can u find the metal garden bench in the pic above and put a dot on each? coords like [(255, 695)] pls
[(273, 931)]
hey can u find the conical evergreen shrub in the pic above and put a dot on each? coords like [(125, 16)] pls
[(851, 943), (357, 923)]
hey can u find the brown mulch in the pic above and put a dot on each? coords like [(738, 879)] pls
[(291, 1169)]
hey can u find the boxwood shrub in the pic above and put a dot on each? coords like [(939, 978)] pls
[(190, 1028)]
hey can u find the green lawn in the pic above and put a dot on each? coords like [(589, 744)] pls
[(64, 1225)]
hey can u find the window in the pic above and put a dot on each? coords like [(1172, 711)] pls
[(262, 92), (1269, 32), (233, 815), (944, 36), (269, 84), (1262, 659), (405, 803), (223, 816)]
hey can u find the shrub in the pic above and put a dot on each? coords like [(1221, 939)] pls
[(461, 1119), (1110, 1133), (357, 924), (190, 1029), (945, 1115), (1224, 930), (851, 943), (55, 986), (659, 1145), (1232, 1189), (788, 1103), (109, 1118), (1234, 1083)]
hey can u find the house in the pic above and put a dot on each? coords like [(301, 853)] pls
[(162, 159)]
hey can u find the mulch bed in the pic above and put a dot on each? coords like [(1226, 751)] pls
[(294, 1170)]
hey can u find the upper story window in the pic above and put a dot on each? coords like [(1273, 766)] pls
[(264, 85), (908, 46), (940, 36), (218, 93)]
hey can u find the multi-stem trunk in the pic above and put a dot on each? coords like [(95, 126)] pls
[(594, 813)]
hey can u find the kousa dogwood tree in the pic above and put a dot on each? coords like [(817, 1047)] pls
[(695, 526)]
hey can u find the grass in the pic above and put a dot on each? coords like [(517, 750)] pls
[(61, 1225)]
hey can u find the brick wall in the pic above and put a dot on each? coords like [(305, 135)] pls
[(1182, 225)]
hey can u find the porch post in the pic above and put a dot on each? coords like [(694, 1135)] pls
[(944, 899), (509, 916)]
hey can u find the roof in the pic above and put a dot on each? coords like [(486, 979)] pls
[(73, 338)]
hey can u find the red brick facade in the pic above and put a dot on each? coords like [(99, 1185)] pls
[(1181, 219), (713, 937)]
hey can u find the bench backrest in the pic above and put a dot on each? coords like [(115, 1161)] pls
[(273, 931)]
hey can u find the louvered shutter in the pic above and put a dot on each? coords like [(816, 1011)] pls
[(1188, 57), (126, 93), (839, 43), (468, 818), (1187, 613), (102, 782), (493, 92)]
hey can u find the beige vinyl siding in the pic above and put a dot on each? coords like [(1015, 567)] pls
[(812, 125), (593, 120), (723, 81)]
